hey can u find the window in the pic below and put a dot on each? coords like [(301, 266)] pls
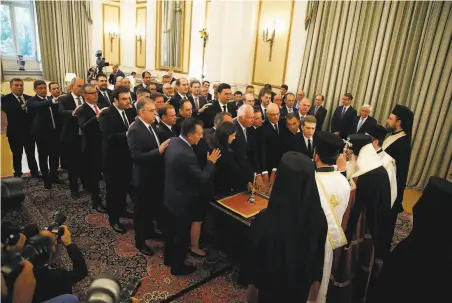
[(18, 35)]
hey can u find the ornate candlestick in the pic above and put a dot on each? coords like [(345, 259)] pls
[(252, 199)]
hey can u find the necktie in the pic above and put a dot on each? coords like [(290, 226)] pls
[(224, 108), (246, 135), (51, 116), (155, 136), (196, 102), (343, 111), (290, 110), (126, 123), (96, 110), (21, 100), (276, 128), (265, 113), (309, 147), (79, 101), (316, 109), (106, 97), (361, 121)]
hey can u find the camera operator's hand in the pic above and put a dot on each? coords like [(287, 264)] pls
[(135, 300), (24, 286), (66, 237)]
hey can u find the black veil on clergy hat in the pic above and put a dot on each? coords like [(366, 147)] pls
[(377, 131), (327, 145), (407, 116), (358, 141)]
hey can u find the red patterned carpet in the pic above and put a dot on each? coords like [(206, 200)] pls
[(106, 251)]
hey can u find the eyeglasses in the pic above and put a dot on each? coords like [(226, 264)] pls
[(91, 93)]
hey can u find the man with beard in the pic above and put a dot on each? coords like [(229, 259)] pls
[(105, 96), (366, 224), (398, 146)]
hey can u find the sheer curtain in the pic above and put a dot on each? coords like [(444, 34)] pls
[(65, 38), (386, 53)]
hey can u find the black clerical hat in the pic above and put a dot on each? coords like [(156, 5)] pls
[(328, 146), (358, 141), (377, 131), (406, 115)]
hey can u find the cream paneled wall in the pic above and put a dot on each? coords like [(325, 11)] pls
[(229, 55)]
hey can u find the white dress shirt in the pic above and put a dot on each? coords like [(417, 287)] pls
[(151, 130), (360, 123), (306, 141), (120, 111)]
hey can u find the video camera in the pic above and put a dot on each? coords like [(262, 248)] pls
[(13, 194), (106, 289), (100, 62), (55, 227)]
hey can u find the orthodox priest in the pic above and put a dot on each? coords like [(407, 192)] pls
[(418, 269), (378, 134), (398, 146), (334, 192), (366, 224), (287, 240)]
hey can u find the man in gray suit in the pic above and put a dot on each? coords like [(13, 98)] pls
[(184, 179)]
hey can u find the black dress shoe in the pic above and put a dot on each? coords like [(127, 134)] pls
[(75, 194), (145, 250), (183, 270), (57, 181), (35, 175), (118, 227), (47, 184), (127, 215), (100, 209)]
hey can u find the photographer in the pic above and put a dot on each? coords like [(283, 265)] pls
[(52, 282), (24, 286)]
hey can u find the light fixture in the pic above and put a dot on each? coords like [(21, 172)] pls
[(112, 31), (140, 38), (112, 36), (269, 39)]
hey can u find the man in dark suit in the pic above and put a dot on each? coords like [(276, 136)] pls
[(114, 124), (146, 151), (105, 97), (168, 118), (198, 100), (184, 179), (283, 92), (45, 131), (117, 73), (185, 112), (146, 78), (343, 120), (307, 136), (206, 84), (71, 135), (220, 105), (247, 142), (167, 92), (87, 117), (159, 103), (18, 130), (364, 121), (182, 90), (272, 140), (292, 137), (288, 106), (265, 97), (318, 111)]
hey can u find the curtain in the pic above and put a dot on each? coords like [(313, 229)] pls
[(386, 53), (173, 22), (65, 38)]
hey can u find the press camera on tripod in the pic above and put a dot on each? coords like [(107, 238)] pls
[(99, 68)]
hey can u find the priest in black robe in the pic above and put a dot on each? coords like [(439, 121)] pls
[(398, 146), (366, 224), (418, 269), (288, 239)]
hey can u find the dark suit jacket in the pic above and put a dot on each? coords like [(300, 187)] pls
[(91, 135), (363, 129), (175, 101), (115, 149), (19, 121), (304, 148), (319, 115), (210, 113), (283, 113), (69, 128), (184, 177), (42, 125), (137, 87), (345, 124), (230, 174), (146, 158), (272, 146), (119, 73), (101, 99), (247, 150), (292, 142), (164, 132)]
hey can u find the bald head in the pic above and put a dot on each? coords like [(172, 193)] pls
[(76, 86), (273, 113), (304, 106)]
